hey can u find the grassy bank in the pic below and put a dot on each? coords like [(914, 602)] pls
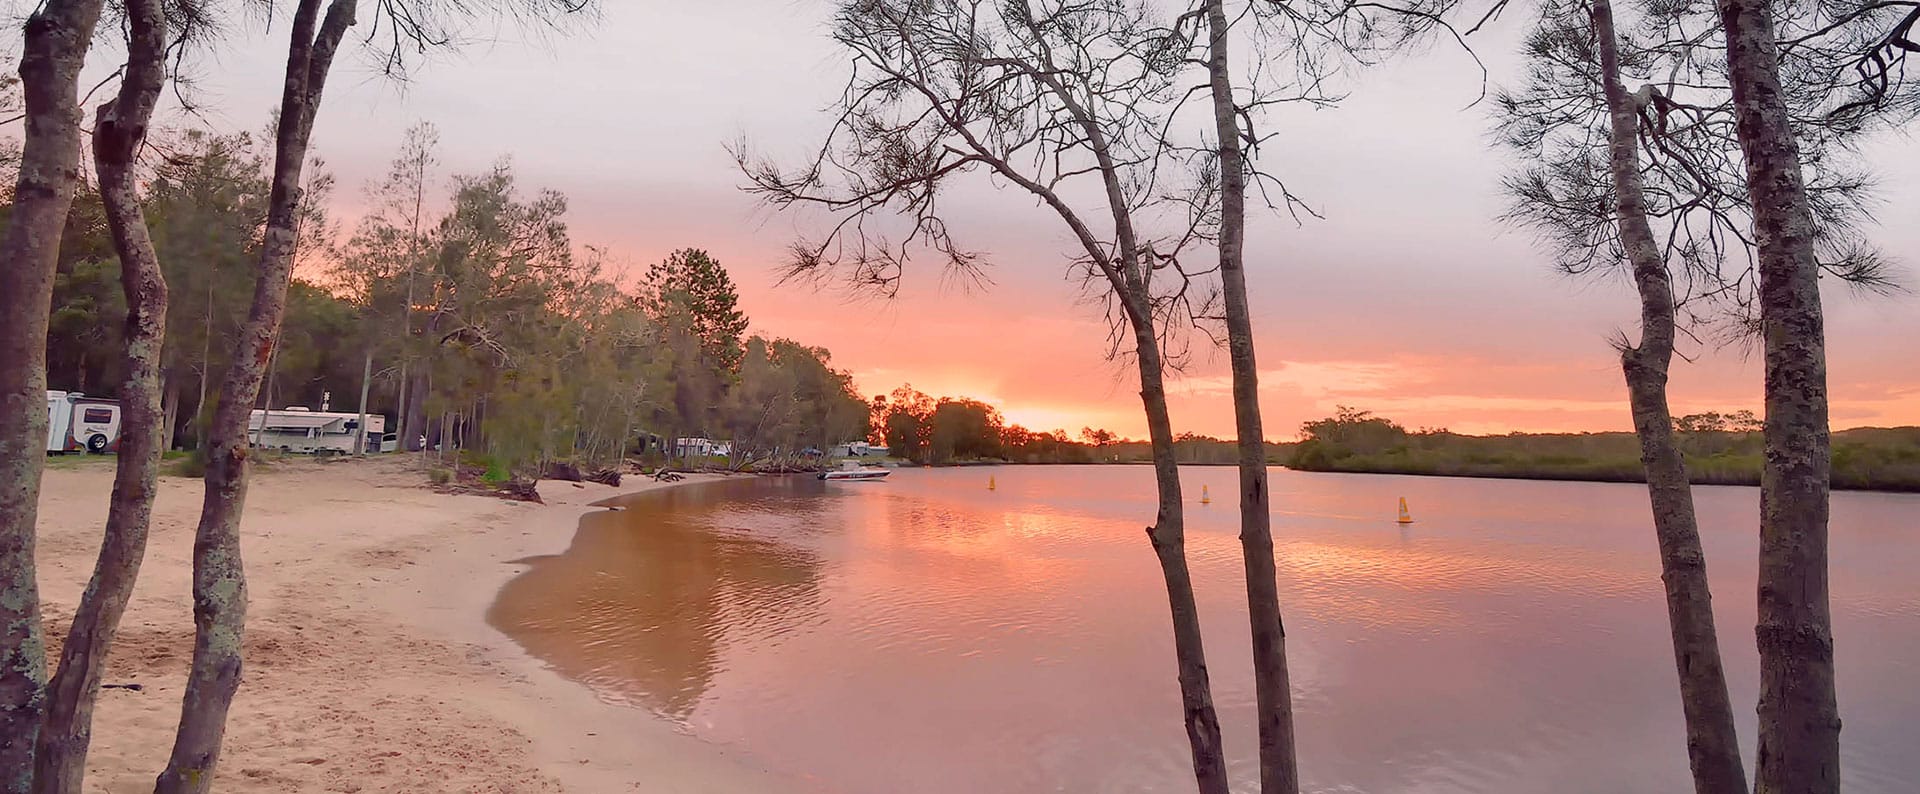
[(1874, 459)]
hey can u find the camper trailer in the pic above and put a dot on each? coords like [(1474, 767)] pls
[(297, 429), (78, 423)]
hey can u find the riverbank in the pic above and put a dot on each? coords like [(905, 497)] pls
[(1864, 459), (370, 666)]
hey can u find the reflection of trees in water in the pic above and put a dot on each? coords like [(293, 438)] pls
[(644, 603)]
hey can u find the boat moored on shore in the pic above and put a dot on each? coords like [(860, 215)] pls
[(850, 470)]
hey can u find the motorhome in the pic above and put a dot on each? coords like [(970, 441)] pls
[(78, 423), (695, 447), (298, 429)]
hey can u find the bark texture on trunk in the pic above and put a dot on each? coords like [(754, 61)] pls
[(1168, 535), (219, 584), (1130, 281), (120, 127), (1279, 771), (1799, 712), (1713, 751), (53, 52)]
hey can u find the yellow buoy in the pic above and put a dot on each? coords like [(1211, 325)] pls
[(1405, 517), (990, 485), (1205, 499)]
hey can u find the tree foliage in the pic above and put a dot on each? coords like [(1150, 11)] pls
[(1673, 59)]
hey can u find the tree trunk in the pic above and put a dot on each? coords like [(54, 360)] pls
[(1713, 752), (1799, 712), (418, 426), (60, 762), (53, 53), (1279, 773), (1129, 281), (259, 436), (219, 584), (400, 389), (366, 381), (201, 416), (1168, 535), (170, 409)]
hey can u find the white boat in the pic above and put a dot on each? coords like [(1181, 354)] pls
[(850, 470)]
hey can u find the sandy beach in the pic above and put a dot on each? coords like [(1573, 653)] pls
[(370, 665)]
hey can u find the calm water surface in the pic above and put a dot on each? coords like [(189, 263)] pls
[(927, 634)]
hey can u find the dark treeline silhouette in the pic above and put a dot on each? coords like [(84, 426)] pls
[(948, 430)]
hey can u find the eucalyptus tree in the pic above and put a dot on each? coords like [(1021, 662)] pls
[(206, 202), (120, 127), (1799, 711), (1799, 747), (1063, 101), (219, 584), (1654, 177), (385, 261), (58, 33), (1299, 50)]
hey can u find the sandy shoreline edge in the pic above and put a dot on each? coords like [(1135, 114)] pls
[(370, 664)]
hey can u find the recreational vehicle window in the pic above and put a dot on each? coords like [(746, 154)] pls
[(97, 415)]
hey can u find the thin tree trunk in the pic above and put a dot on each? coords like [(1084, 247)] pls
[(417, 424), (1713, 751), (406, 312), (1799, 712), (1273, 696), (202, 417), (170, 407), (1168, 535), (200, 414), (219, 584), (400, 409), (60, 761), (55, 49), (266, 403), (1130, 284), (366, 380)]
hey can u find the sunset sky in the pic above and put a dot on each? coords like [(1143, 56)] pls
[(1410, 299)]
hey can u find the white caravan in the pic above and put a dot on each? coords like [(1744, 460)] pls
[(296, 429), (78, 423)]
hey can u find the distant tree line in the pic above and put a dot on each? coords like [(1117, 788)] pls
[(1720, 449), (931, 431)]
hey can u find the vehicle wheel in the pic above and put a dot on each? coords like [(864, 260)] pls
[(97, 444)]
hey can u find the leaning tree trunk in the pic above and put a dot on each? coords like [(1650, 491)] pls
[(1713, 752), (219, 584), (1279, 773), (1131, 284), (1168, 535), (54, 50), (1799, 713), (60, 761)]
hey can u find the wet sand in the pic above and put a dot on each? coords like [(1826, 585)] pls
[(370, 666)]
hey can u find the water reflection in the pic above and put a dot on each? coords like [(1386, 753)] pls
[(647, 599), (928, 635)]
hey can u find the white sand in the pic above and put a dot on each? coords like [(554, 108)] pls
[(369, 664)]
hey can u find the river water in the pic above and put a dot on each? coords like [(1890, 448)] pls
[(927, 634)]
